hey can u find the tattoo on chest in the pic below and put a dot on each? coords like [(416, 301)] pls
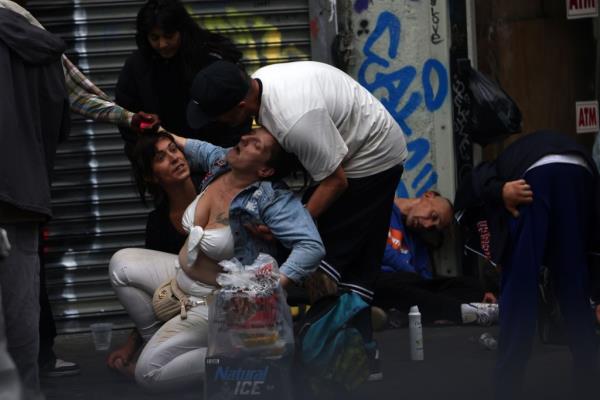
[(222, 218)]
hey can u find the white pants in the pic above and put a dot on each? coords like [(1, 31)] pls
[(174, 353)]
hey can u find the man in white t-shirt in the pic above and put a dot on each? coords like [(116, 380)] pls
[(343, 136)]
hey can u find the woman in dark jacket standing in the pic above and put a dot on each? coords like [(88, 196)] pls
[(156, 78)]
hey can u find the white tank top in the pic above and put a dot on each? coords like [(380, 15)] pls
[(216, 244)]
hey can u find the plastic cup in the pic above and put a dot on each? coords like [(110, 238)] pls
[(102, 333)]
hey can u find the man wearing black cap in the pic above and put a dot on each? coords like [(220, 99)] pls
[(343, 136)]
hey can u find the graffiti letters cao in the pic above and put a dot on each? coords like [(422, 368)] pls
[(405, 95)]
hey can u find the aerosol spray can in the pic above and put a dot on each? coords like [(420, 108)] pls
[(415, 334)]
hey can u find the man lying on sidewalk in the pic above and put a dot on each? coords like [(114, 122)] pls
[(407, 276)]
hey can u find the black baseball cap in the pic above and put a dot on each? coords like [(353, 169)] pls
[(216, 89)]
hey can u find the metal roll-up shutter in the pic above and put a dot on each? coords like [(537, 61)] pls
[(96, 208)]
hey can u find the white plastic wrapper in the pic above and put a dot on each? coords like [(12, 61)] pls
[(250, 315)]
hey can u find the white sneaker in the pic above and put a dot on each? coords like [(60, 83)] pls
[(58, 368), (487, 313)]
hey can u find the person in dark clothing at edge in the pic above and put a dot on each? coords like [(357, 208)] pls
[(407, 275), (88, 100), (538, 204), (157, 77), (34, 115)]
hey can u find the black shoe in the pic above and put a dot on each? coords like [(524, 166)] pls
[(57, 368)]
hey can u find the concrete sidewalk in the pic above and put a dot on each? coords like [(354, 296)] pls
[(456, 366)]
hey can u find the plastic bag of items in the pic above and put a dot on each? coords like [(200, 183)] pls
[(493, 114), (250, 315)]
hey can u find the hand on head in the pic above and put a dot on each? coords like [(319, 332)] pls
[(144, 122)]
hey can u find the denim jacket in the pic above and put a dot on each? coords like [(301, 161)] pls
[(263, 202)]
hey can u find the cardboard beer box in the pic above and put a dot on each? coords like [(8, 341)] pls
[(243, 378)]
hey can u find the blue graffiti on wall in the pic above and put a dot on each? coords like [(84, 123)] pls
[(397, 84), (361, 5)]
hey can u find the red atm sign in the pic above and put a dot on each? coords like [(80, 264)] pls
[(582, 8), (587, 116)]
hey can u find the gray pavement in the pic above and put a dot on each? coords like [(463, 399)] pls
[(456, 366)]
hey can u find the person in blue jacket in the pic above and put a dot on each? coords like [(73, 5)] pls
[(407, 276)]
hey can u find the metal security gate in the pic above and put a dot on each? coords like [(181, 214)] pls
[(96, 208)]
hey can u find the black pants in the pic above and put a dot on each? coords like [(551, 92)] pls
[(47, 327), (438, 298), (354, 231)]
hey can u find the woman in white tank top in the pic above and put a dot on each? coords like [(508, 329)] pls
[(172, 190), (174, 352)]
